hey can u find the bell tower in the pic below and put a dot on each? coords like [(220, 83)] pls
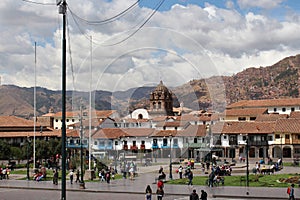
[(161, 101)]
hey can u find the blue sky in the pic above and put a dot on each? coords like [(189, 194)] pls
[(179, 43)]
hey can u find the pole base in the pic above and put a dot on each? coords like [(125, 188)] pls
[(82, 185)]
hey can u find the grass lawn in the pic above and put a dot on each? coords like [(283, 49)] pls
[(274, 180)]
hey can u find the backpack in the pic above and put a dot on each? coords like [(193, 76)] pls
[(288, 190)]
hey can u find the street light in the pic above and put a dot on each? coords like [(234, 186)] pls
[(27, 151), (247, 163), (170, 137), (81, 185)]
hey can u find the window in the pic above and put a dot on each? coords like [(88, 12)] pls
[(275, 109), (116, 142), (242, 118), (252, 118), (225, 137), (283, 109), (67, 120), (297, 151), (109, 143), (175, 142), (102, 143), (165, 142), (298, 136), (71, 141), (133, 143), (56, 120), (95, 143), (292, 109), (270, 138), (73, 120), (195, 140), (143, 142), (277, 136), (287, 136)]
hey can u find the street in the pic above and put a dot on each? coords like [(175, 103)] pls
[(28, 194)]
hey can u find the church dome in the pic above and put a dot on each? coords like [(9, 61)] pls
[(162, 89)]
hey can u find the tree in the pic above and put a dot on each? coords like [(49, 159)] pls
[(4, 150)]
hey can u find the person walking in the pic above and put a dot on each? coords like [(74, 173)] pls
[(203, 195), (194, 195), (292, 193), (148, 193), (77, 176), (180, 169), (55, 177), (71, 176), (190, 177), (160, 193)]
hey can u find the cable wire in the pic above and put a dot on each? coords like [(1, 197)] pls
[(111, 19), (35, 2), (130, 35), (70, 54), (140, 27)]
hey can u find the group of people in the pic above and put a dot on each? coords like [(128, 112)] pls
[(4, 173), (195, 196), (128, 168), (107, 175)]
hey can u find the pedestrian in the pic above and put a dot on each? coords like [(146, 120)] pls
[(148, 193), (160, 193), (194, 195), (107, 176), (77, 176), (190, 177), (71, 176), (55, 177), (203, 195), (291, 192), (180, 169), (211, 179)]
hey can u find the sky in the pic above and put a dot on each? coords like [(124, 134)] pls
[(120, 44)]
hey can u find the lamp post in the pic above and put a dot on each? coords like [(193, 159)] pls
[(27, 151), (170, 176), (81, 185), (281, 151), (247, 163)]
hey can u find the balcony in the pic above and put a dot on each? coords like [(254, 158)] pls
[(142, 147), (133, 147), (154, 146), (125, 147)]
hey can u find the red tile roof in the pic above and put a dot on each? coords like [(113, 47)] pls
[(244, 127), (270, 117), (12, 121), (295, 114), (265, 103), (291, 125), (245, 111), (114, 133)]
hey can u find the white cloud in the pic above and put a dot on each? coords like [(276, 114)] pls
[(175, 46), (266, 4)]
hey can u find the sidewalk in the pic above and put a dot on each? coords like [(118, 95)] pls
[(146, 176)]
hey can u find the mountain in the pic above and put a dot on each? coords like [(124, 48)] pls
[(280, 80)]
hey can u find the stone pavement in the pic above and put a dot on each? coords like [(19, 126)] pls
[(146, 176)]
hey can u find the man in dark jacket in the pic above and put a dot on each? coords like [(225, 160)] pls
[(194, 195), (203, 195)]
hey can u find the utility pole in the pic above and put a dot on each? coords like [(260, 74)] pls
[(62, 10)]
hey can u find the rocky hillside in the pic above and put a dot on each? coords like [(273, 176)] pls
[(280, 80)]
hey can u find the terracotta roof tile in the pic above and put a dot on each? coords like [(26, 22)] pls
[(266, 103), (291, 125), (245, 111), (295, 114), (12, 121), (244, 127)]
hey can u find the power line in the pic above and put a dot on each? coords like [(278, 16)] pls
[(158, 5), (70, 55), (141, 26), (111, 19), (39, 3)]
